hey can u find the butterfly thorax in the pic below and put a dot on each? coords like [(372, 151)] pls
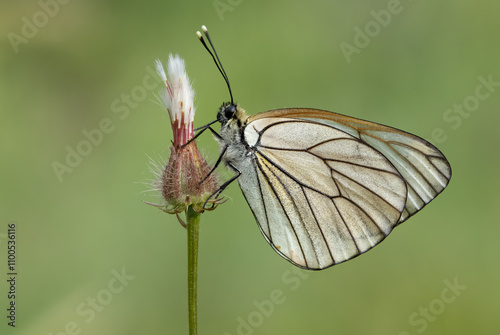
[(233, 120)]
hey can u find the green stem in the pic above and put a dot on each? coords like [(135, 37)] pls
[(193, 228)]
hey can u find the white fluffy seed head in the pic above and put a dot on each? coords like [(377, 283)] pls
[(178, 95)]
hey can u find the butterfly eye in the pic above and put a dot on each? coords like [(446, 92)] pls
[(229, 111)]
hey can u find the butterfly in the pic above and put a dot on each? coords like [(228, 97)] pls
[(324, 187)]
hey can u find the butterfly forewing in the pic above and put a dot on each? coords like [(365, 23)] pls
[(320, 194), (423, 167)]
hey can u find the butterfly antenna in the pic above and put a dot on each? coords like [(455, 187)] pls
[(215, 57)]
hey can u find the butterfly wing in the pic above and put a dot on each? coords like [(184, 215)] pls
[(423, 167), (325, 187), (320, 198)]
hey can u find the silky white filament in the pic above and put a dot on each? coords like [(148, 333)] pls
[(178, 96)]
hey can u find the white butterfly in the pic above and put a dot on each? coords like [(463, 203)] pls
[(325, 187)]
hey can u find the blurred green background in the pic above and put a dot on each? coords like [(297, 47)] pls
[(66, 67)]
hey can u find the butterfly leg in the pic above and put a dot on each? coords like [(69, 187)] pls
[(215, 166), (225, 184), (202, 129)]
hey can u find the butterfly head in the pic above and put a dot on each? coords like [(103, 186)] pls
[(231, 115)]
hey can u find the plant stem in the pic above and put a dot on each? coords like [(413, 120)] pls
[(193, 228)]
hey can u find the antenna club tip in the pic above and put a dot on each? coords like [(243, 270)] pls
[(198, 34), (204, 28)]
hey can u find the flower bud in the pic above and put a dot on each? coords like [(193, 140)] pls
[(180, 183), (187, 179)]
